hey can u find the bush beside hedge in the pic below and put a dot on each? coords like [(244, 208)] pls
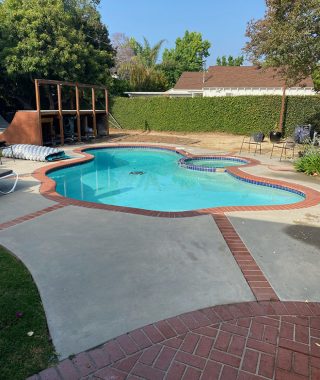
[(236, 115), (309, 163)]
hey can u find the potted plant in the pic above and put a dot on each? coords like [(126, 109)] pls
[(258, 137), (276, 135)]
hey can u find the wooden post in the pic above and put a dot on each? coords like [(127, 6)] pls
[(36, 83), (60, 114), (94, 116), (107, 110), (78, 113), (283, 106), (38, 103)]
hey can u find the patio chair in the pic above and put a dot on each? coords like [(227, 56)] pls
[(255, 139), (69, 132), (287, 144), (7, 173)]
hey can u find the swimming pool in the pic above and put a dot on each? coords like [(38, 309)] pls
[(151, 179)]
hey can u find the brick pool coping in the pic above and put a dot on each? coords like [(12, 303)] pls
[(244, 341), (47, 188)]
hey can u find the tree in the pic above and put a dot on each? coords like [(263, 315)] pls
[(231, 61), (189, 54), (124, 51), (147, 54), (141, 70), (316, 79), (142, 78), (288, 37), (86, 16), (53, 39)]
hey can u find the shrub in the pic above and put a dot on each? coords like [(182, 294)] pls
[(236, 115), (309, 163)]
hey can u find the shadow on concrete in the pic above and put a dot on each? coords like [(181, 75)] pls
[(22, 185), (306, 234), (287, 253), (24, 200)]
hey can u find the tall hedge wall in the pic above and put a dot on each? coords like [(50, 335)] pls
[(237, 115)]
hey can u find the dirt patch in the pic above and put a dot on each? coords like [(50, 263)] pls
[(214, 141), (142, 137)]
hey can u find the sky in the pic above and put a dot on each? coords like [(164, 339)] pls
[(222, 22)]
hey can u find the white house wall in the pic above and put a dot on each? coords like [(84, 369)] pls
[(302, 91)]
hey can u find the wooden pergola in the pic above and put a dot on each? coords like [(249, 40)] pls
[(44, 114)]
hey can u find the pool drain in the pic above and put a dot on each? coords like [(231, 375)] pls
[(136, 173)]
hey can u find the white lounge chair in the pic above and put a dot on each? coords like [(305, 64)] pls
[(6, 173)]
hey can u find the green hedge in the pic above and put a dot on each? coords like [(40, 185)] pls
[(237, 115)]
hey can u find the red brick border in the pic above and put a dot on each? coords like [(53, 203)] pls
[(252, 341), (47, 189), (30, 216), (255, 278)]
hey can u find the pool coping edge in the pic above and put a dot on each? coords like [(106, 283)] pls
[(48, 186)]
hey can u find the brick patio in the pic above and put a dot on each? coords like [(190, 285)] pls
[(266, 340)]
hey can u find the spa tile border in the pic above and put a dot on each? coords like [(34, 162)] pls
[(47, 188), (243, 341), (185, 162)]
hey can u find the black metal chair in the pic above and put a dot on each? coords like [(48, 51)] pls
[(255, 139), (285, 145)]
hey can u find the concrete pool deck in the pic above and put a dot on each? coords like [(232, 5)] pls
[(102, 273)]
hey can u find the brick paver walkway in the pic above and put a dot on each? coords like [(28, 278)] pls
[(254, 340)]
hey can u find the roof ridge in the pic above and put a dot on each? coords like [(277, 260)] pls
[(235, 77)]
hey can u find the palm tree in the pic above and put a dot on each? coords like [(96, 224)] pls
[(141, 77), (147, 53), (141, 70)]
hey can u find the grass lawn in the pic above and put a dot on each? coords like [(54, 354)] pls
[(21, 311)]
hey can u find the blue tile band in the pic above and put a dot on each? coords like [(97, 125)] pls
[(185, 163), (267, 184)]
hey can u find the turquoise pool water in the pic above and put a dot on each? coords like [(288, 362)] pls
[(152, 179), (214, 162)]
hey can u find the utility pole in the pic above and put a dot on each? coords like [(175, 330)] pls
[(283, 104), (203, 71)]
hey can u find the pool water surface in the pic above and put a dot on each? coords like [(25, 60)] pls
[(151, 179), (213, 163)]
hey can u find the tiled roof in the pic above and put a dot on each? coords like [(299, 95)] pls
[(190, 81), (233, 76)]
